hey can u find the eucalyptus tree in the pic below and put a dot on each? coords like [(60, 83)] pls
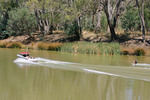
[(47, 13), (95, 12), (147, 15), (74, 11), (21, 22), (130, 19), (141, 14), (113, 9), (5, 7)]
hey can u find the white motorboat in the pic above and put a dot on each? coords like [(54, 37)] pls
[(26, 56)]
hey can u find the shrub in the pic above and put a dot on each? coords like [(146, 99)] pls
[(21, 22), (73, 29), (54, 46), (130, 20), (42, 46), (124, 52), (14, 45), (3, 44), (5, 34), (139, 52), (49, 46)]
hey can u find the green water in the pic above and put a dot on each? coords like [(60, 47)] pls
[(82, 77)]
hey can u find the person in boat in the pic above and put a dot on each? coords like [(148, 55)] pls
[(135, 62), (25, 54)]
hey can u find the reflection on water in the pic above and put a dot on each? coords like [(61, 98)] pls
[(36, 82), (55, 84)]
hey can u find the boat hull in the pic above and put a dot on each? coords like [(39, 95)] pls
[(27, 58)]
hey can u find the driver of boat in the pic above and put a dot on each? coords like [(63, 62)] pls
[(23, 55), (28, 56)]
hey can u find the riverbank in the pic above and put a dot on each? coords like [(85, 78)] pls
[(81, 48), (90, 43)]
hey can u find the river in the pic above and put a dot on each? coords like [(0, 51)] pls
[(67, 76)]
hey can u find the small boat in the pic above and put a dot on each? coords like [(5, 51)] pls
[(26, 56)]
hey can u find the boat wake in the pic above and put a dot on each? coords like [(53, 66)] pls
[(117, 71), (21, 60), (141, 64), (41, 62)]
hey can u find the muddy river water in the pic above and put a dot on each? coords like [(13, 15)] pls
[(64, 76)]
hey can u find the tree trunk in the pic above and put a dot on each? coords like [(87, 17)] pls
[(113, 34), (80, 27), (93, 20), (112, 25), (141, 14), (51, 29), (98, 26), (17, 2), (113, 9), (42, 22)]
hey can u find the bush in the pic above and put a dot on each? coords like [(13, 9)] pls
[(49, 46), (14, 45), (5, 34), (73, 29), (139, 52), (54, 46), (42, 46), (130, 20), (125, 52), (21, 22), (3, 44)]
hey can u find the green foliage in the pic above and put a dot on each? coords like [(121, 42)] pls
[(73, 29), (5, 7), (147, 15), (5, 34), (3, 23), (130, 20), (104, 24), (87, 23), (91, 48), (61, 14), (111, 48), (21, 22)]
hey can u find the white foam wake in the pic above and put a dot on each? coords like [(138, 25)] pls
[(21, 60), (141, 64), (84, 68), (116, 75), (43, 60)]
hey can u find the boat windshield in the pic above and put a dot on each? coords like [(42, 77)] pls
[(25, 55)]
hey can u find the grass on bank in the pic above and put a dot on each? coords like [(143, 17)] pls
[(92, 48), (49, 46), (82, 48), (11, 45)]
